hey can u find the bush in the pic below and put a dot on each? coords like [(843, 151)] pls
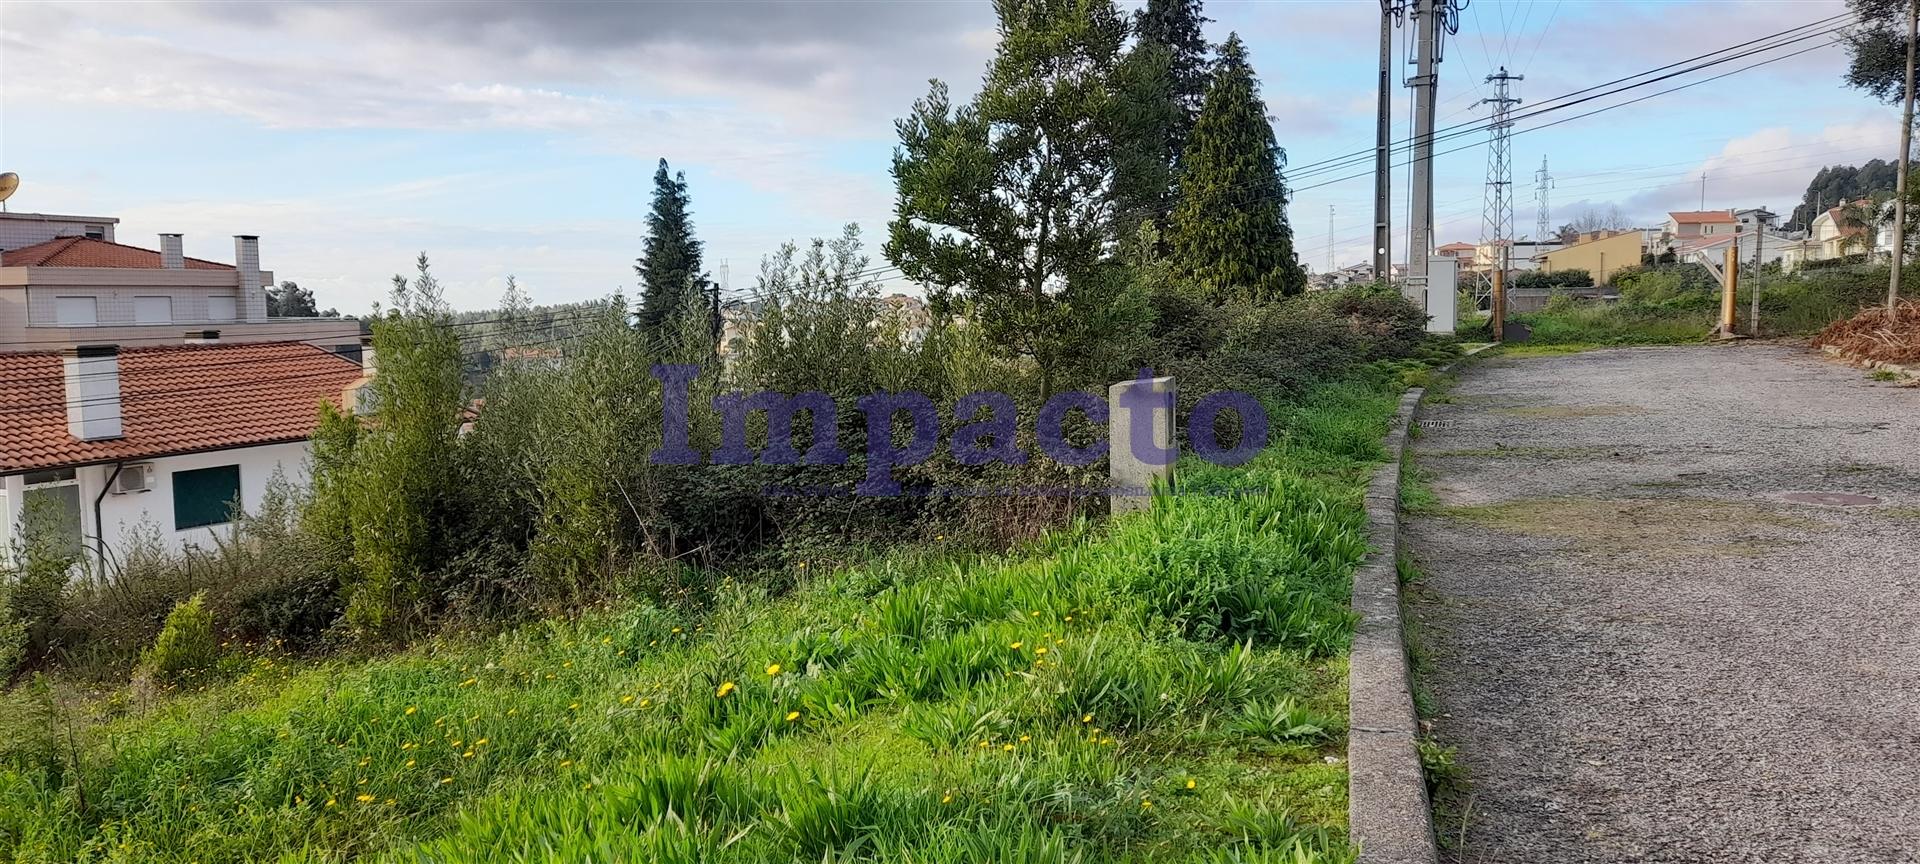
[(186, 646), (1543, 280)]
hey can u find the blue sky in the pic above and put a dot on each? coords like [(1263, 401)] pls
[(509, 138)]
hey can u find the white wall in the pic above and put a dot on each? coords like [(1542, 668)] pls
[(121, 514)]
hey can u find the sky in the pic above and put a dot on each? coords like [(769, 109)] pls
[(520, 138)]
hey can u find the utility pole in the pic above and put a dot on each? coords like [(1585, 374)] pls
[(1542, 182), (1703, 190), (1496, 225), (1382, 147), (1425, 80), (1906, 157)]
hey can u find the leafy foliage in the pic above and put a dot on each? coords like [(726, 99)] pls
[(1008, 199), (185, 647), (1229, 236), (1877, 47)]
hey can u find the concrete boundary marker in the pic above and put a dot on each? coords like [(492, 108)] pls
[(1388, 814)]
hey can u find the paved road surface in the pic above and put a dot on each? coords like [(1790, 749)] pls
[(1642, 651)]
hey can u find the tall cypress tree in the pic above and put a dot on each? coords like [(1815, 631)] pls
[(1160, 85), (1174, 27), (669, 266), (1229, 235)]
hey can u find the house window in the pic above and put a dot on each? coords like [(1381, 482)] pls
[(75, 311), (96, 232), (205, 496), (153, 310), (221, 307), (50, 510)]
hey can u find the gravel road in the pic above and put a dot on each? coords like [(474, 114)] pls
[(1642, 650)]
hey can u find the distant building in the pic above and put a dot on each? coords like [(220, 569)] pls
[(1600, 253), (107, 440), (64, 281), (1701, 223)]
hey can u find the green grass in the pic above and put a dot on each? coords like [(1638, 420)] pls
[(1169, 686)]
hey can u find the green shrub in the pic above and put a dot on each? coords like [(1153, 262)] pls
[(186, 646)]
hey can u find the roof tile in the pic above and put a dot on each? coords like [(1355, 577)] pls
[(88, 252), (176, 399)]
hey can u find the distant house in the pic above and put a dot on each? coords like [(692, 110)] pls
[(1836, 238), (1701, 223), (1463, 251), (1600, 253), (106, 439), (1756, 219), (64, 281), (1521, 254)]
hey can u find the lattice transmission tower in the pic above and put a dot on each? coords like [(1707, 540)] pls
[(1496, 224), (1542, 184)]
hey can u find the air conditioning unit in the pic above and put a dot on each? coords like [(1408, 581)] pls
[(137, 477)]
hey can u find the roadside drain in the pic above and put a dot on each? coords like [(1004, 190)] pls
[(1830, 499)]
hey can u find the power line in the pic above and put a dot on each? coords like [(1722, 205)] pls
[(1590, 113)]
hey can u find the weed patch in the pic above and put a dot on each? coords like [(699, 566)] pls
[(1119, 693)]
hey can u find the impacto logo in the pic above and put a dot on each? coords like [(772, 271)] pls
[(976, 440)]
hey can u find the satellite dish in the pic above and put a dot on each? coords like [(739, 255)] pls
[(8, 183)]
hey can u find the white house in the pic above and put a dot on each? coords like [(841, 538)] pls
[(172, 437), (65, 281)]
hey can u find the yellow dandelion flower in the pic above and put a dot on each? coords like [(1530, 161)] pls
[(626, 699), (467, 755), (363, 798), (1035, 613), (565, 762), (445, 780), (1025, 738), (947, 798), (1040, 650), (607, 641), (802, 565), (773, 669), (1007, 747), (412, 710), (567, 665), (481, 741), (390, 802), (1191, 783), (1016, 646), (985, 744), (410, 762), (330, 802), (1086, 718), (792, 716), (469, 682), (297, 800), (1069, 619), (573, 706), (725, 688), (1146, 804), (457, 742), (645, 702), (676, 629)]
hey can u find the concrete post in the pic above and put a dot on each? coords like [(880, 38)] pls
[(1140, 448)]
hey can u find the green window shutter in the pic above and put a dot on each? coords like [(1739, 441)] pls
[(207, 496)]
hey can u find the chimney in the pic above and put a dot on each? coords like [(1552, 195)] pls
[(171, 255), (253, 295), (369, 364), (93, 392)]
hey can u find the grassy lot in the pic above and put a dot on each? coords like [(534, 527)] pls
[(1164, 687)]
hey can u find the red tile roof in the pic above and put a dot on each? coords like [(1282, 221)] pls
[(1697, 217), (176, 399), (88, 252)]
